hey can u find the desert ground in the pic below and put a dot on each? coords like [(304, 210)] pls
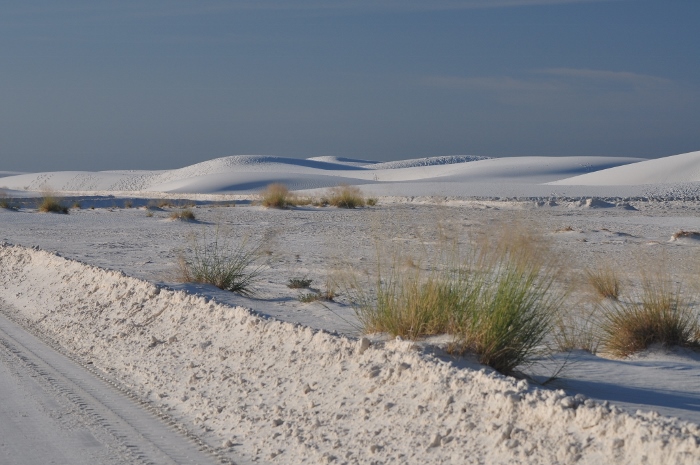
[(267, 378)]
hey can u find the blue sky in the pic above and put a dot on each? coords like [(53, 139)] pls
[(154, 84)]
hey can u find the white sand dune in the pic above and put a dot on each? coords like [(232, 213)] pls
[(674, 169), (244, 174), (286, 393)]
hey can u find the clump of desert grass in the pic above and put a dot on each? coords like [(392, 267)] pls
[(277, 195), (183, 215), (49, 203), (682, 234), (604, 281), (6, 202), (328, 294), (497, 301), (345, 196), (223, 261), (657, 314), (299, 283)]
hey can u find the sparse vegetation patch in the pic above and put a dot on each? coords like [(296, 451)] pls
[(299, 283), (346, 197), (50, 204), (223, 262), (277, 195), (183, 215), (658, 315)]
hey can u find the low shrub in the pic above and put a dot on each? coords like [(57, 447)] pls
[(371, 202), (228, 265), (346, 197), (277, 196), (658, 315), (183, 215)]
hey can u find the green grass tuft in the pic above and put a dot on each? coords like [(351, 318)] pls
[(498, 303)]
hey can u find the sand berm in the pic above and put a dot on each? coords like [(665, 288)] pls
[(282, 393)]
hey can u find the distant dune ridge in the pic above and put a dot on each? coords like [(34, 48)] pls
[(449, 175)]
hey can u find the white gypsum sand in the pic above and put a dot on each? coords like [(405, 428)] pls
[(281, 390), (367, 405)]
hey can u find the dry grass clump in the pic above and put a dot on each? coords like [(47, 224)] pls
[(658, 315), (605, 282), (227, 264), (346, 197), (6, 202), (299, 283), (50, 204), (322, 296), (183, 215), (685, 235), (498, 303), (277, 195)]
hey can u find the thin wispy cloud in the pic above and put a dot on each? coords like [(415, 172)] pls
[(635, 79), (555, 80)]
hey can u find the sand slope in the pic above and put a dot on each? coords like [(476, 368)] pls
[(674, 169), (246, 174), (285, 393)]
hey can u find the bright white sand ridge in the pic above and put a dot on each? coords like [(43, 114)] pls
[(284, 393), (675, 169), (245, 174)]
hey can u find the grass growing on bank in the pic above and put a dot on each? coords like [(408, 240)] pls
[(227, 264), (497, 303), (50, 204), (659, 314)]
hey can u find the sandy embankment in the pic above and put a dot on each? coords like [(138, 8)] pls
[(284, 393)]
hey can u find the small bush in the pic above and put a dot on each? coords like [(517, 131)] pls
[(346, 197), (299, 283), (228, 266), (183, 215), (371, 201), (658, 316), (604, 282), (277, 196), (50, 204)]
